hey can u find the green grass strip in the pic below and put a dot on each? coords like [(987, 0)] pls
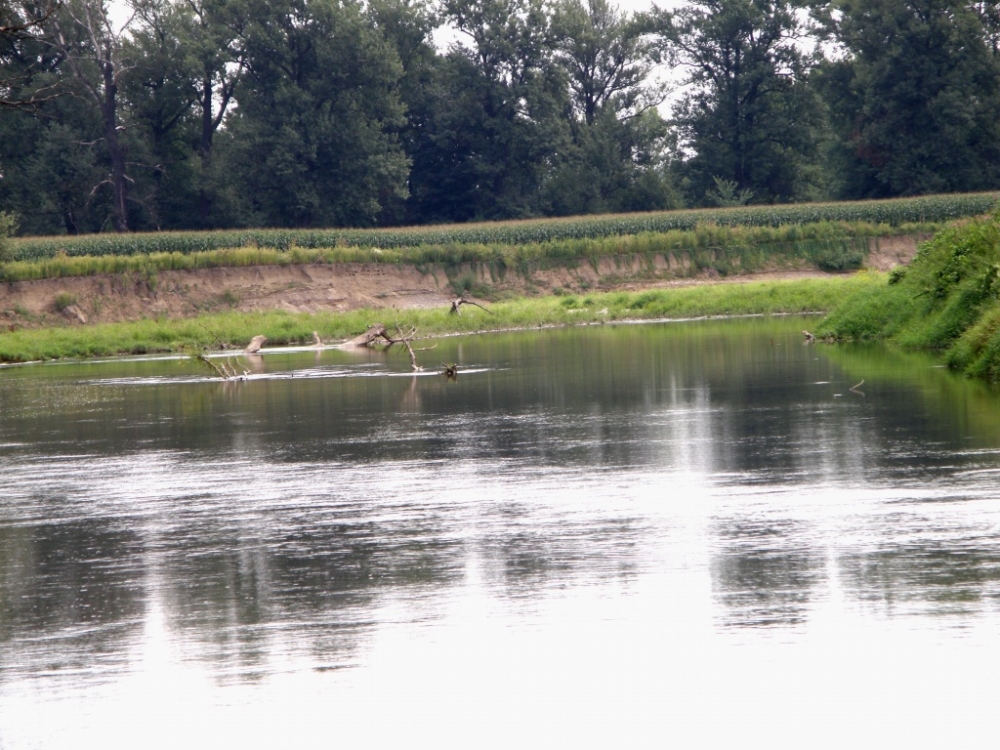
[(235, 330)]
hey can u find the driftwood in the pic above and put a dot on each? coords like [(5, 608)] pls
[(317, 341), (405, 339), (379, 333), (255, 344), (369, 337), (456, 304), (225, 370), (810, 338)]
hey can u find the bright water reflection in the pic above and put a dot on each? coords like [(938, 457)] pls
[(685, 534)]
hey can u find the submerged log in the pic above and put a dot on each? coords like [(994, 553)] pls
[(376, 331), (255, 344)]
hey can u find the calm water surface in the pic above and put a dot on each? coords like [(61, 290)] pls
[(668, 535)]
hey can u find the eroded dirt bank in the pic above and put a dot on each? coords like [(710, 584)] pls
[(340, 287)]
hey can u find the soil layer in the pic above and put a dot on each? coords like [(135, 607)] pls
[(343, 287)]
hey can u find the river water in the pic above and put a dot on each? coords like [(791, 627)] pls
[(665, 535)]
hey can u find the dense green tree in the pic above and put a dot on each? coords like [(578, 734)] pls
[(313, 141), (214, 45), (408, 26), (751, 117), (25, 55), (916, 100), (498, 119), (617, 160)]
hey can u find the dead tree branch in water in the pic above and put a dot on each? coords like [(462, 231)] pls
[(405, 339), (225, 370)]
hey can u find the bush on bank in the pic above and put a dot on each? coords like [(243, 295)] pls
[(947, 300)]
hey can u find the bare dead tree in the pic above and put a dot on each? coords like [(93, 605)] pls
[(87, 38)]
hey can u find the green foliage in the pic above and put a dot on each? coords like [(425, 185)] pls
[(833, 246), (915, 102), (64, 300), (839, 255), (312, 140), (726, 195), (751, 120), (947, 300), (897, 213), (8, 225)]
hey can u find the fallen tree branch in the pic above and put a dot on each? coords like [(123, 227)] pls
[(457, 303)]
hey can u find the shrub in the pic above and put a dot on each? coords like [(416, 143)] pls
[(8, 225), (64, 300)]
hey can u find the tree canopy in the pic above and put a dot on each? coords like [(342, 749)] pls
[(224, 113)]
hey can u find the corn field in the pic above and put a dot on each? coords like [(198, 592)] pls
[(452, 242)]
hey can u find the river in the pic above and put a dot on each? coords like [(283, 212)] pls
[(700, 534)]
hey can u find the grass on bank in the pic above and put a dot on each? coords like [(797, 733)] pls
[(234, 330), (894, 212), (828, 245), (947, 300)]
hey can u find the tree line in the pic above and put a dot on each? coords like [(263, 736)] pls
[(196, 114)]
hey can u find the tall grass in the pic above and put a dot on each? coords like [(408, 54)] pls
[(234, 330)]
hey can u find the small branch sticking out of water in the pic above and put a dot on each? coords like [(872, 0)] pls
[(405, 339)]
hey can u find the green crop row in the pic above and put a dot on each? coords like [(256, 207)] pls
[(896, 212)]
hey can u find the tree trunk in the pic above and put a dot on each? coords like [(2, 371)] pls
[(205, 151)]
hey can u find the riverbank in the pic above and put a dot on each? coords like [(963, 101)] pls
[(234, 329), (947, 300)]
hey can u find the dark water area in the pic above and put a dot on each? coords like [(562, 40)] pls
[(701, 534)]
